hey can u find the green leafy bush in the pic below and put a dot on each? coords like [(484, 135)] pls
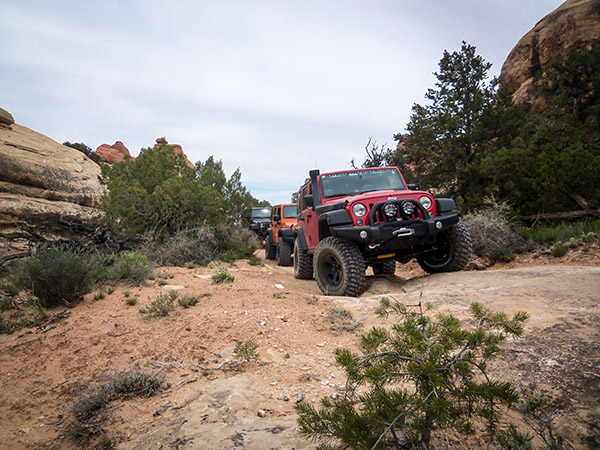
[(58, 274), (425, 373)]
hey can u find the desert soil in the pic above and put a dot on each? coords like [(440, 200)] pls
[(43, 370)]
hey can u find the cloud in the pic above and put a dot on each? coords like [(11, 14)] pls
[(274, 88)]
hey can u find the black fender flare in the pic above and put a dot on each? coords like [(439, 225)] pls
[(333, 218), (299, 234), (287, 234)]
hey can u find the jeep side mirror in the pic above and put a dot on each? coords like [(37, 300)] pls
[(309, 201), (412, 187), (276, 218)]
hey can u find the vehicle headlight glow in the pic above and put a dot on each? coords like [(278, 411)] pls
[(408, 208), (390, 210), (359, 210), (425, 201)]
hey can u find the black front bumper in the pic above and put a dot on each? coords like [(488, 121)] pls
[(397, 235)]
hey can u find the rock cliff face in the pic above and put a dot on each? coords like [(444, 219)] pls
[(111, 154), (177, 149), (47, 191), (575, 24)]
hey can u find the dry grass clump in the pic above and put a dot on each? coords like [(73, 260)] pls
[(492, 233), (91, 408)]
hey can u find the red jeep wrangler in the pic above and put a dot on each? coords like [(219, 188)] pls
[(280, 237), (370, 217)]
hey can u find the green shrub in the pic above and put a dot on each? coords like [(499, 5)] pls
[(6, 302), (425, 373), (131, 301), (254, 261), (130, 266), (558, 251), (58, 274), (222, 277), (246, 350), (100, 295), (163, 304), (587, 230), (9, 284), (188, 301)]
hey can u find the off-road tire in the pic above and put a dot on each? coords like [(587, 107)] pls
[(303, 262), (270, 250), (284, 253), (339, 267), (452, 252), (387, 267)]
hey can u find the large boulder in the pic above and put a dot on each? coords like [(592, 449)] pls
[(47, 191), (111, 154), (573, 25)]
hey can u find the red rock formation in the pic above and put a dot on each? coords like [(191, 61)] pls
[(176, 148), (575, 24), (112, 153)]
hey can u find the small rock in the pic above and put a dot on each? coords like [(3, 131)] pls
[(261, 413), (300, 396), (334, 395), (287, 355), (285, 398)]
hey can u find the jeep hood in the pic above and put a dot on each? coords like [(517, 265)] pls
[(377, 196)]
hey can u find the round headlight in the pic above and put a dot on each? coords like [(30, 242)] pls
[(425, 201), (408, 208), (359, 210), (390, 210)]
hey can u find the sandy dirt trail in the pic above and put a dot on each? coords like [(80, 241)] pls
[(43, 370)]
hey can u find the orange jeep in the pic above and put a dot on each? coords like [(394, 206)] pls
[(280, 237)]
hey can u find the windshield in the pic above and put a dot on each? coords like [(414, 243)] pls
[(360, 181), (261, 213), (290, 211)]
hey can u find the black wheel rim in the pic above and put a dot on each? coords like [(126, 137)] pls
[(331, 269), (442, 252)]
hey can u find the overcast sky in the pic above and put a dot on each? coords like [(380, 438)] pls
[(275, 88)]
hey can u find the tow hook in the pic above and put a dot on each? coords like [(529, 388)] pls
[(402, 232)]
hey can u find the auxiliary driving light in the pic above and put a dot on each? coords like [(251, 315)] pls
[(363, 234), (390, 210), (408, 208)]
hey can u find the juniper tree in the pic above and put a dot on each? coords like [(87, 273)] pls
[(424, 371)]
